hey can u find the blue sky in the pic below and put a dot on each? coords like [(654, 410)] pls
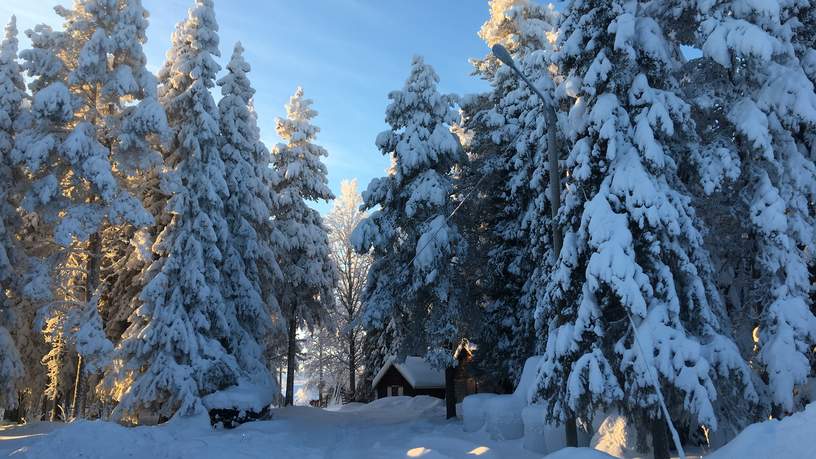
[(347, 54)]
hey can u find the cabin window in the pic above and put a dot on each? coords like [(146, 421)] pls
[(396, 390)]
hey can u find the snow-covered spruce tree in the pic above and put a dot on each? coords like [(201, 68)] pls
[(173, 352), (83, 136), (134, 125), (304, 257), (632, 248), (506, 139), (12, 94), (108, 71), (250, 269), (377, 348), (769, 103), (411, 285)]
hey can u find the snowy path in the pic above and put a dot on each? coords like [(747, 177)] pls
[(392, 428)]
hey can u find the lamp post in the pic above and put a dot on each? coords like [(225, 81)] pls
[(552, 145), (554, 186)]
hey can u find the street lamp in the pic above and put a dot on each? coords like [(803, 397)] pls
[(552, 145), (554, 186)]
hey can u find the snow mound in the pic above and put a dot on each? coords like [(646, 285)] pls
[(539, 435), (790, 437), (418, 404), (578, 453), (243, 397), (502, 413), (473, 411)]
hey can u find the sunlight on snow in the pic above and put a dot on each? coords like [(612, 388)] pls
[(417, 452), (479, 451)]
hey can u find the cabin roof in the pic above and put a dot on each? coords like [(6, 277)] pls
[(416, 370)]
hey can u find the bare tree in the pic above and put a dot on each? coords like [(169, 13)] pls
[(352, 270)]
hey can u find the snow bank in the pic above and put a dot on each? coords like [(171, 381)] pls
[(396, 427), (540, 436), (243, 397), (502, 413), (405, 404), (790, 437), (504, 420), (473, 411), (578, 453), (527, 382)]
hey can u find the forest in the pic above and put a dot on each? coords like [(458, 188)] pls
[(630, 209)]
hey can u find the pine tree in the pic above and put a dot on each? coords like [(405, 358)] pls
[(76, 148), (633, 253), (250, 268), (411, 286), (108, 69), (173, 353), (134, 125), (12, 94), (507, 143), (759, 52), (304, 259)]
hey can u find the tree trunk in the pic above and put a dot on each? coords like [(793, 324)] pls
[(290, 363), (352, 368), (43, 407), (91, 283), (660, 440), (320, 370), (76, 409), (571, 431), (54, 408), (450, 393)]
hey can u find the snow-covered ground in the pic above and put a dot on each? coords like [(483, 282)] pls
[(396, 427)]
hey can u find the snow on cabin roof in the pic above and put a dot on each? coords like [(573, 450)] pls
[(415, 370)]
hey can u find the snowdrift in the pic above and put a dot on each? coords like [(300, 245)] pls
[(790, 437)]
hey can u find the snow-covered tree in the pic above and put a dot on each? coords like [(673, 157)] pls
[(411, 285), (304, 256), (763, 94), (134, 125), (12, 94), (250, 269), (84, 132), (174, 351), (505, 132), (633, 254)]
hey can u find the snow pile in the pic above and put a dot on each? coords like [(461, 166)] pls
[(539, 435), (243, 397), (473, 411), (578, 453), (504, 420), (502, 414), (790, 437)]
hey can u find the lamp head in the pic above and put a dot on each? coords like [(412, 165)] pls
[(501, 52)]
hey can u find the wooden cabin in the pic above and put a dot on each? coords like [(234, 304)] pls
[(412, 377), (415, 376)]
